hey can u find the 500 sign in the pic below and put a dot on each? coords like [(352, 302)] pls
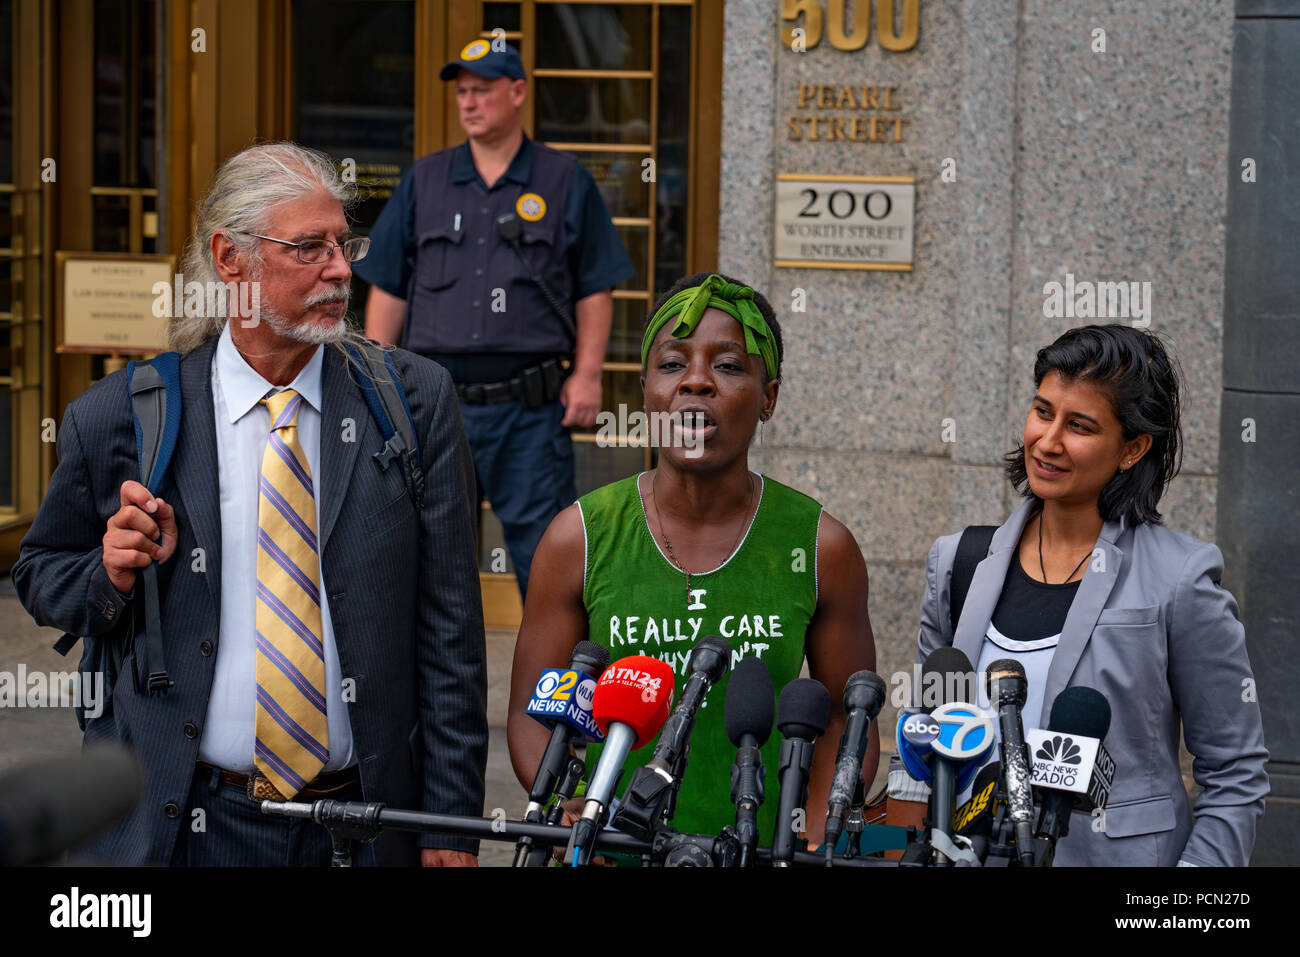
[(832, 13)]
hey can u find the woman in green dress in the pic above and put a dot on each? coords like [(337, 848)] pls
[(699, 546)]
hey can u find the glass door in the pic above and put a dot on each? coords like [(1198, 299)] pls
[(610, 83), (616, 84), (361, 108)]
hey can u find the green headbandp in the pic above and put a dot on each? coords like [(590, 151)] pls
[(735, 300)]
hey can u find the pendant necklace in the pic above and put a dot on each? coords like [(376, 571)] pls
[(744, 524), (1041, 571)]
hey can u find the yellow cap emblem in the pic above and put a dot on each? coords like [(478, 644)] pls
[(475, 50), (531, 207)]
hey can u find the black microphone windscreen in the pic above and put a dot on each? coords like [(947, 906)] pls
[(865, 691), (804, 709), (595, 657), (750, 702), (1082, 711), (953, 676), (710, 657), (58, 805)]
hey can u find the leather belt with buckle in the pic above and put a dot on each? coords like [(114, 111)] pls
[(534, 387), (258, 786)]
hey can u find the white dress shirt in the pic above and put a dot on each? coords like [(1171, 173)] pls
[(243, 428)]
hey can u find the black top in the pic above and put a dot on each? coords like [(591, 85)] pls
[(1030, 610)]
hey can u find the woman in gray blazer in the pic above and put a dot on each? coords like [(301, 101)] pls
[(1085, 587)]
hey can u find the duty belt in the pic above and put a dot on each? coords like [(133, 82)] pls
[(534, 387)]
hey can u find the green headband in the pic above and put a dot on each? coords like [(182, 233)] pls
[(735, 300)]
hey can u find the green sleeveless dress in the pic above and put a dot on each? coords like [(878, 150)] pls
[(760, 600)]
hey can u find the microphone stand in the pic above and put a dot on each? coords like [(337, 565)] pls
[(747, 775), (537, 856), (349, 821), (1001, 850), (854, 823), (678, 772)]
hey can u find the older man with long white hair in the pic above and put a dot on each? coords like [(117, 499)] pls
[(321, 624)]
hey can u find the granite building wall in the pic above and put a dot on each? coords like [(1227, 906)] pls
[(1108, 165)]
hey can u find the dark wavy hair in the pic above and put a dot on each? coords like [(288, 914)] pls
[(1141, 380), (765, 307)]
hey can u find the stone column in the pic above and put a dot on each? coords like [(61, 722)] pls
[(1259, 436)]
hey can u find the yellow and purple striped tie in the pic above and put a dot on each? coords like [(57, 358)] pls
[(291, 727)]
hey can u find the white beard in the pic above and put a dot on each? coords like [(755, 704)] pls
[(314, 333)]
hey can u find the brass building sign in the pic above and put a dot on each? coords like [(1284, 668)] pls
[(861, 114), (844, 222), (106, 302)]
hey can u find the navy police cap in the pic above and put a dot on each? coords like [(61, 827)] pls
[(479, 58)]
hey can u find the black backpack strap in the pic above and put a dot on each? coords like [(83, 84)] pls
[(155, 405), (381, 387), (65, 643), (972, 548)]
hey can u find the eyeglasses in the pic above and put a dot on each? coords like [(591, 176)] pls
[(317, 251)]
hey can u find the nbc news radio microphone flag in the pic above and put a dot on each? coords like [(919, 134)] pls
[(1072, 772), (1071, 762)]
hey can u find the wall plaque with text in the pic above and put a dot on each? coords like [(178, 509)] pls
[(844, 222), (105, 302)]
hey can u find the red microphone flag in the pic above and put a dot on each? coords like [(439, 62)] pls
[(636, 691)]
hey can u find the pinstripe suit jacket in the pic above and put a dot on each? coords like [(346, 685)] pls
[(403, 592)]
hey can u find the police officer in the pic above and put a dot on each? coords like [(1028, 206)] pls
[(496, 259)]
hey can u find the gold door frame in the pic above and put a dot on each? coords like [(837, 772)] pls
[(214, 103), (29, 318), (501, 605)]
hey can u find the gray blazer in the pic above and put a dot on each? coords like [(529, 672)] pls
[(1151, 629), (403, 591)]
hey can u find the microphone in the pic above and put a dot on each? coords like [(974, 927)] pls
[(630, 705), (1007, 689), (60, 804), (562, 702), (946, 676), (977, 815), (965, 735), (912, 736), (864, 696), (653, 786), (983, 810), (509, 227), (748, 721), (1072, 771), (802, 712), (915, 730), (534, 856)]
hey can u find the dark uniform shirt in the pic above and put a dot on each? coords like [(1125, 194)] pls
[(596, 257)]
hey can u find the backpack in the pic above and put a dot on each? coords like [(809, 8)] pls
[(972, 547), (155, 389)]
